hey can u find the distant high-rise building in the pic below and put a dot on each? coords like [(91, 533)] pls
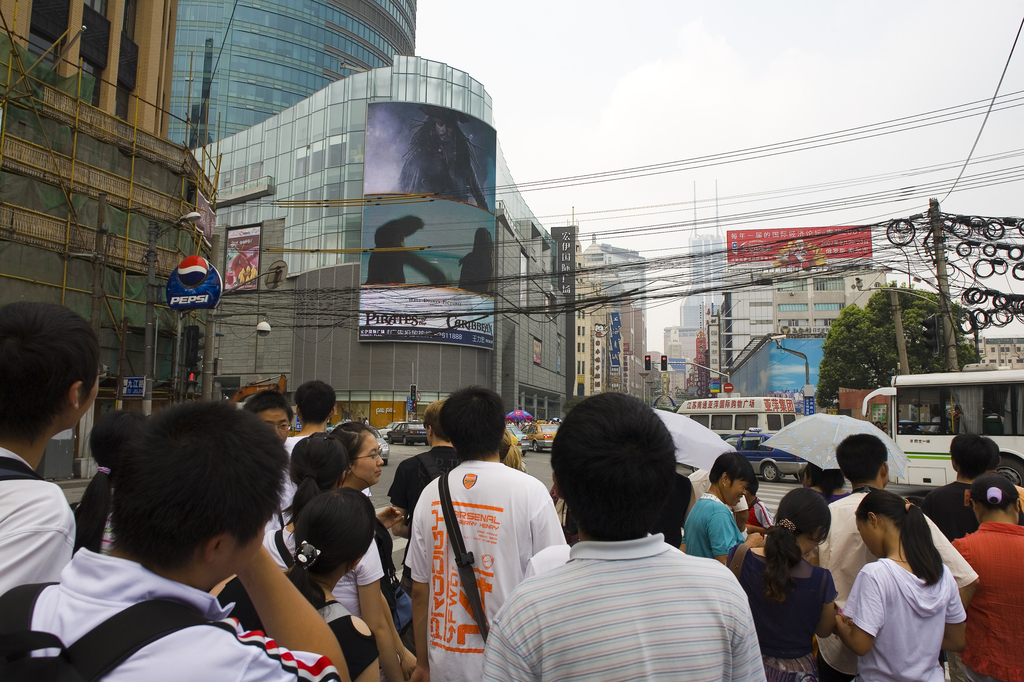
[(238, 64)]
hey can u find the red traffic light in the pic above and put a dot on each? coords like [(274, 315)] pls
[(647, 363), (664, 363)]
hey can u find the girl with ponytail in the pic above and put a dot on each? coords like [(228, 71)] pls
[(905, 607), (790, 600), (108, 443)]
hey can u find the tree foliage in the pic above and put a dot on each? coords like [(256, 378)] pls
[(860, 349)]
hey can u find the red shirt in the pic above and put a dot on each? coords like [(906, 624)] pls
[(995, 618)]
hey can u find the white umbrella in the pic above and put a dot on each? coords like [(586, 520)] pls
[(815, 438), (696, 445)]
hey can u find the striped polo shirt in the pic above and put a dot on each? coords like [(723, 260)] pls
[(638, 609)]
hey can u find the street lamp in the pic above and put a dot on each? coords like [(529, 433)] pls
[(148, 352)]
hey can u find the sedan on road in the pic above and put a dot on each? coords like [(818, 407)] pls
[(407, 433), (771, 464), (520, 437), (541, 436)]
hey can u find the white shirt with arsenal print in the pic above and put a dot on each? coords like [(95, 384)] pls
[(506, 517)]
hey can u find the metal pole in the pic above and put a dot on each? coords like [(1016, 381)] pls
[(211, 330), (99, 257), (948, 329), (901, 340), (147, 358)]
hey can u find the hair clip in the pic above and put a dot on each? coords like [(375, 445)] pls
[(787, 524), (307, 555), (103, 470), (994, 495)]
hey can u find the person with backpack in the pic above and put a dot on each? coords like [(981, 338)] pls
[(108, 442), (791, 600), (49, 369), (905, 607), (332, 533), (191, 502)]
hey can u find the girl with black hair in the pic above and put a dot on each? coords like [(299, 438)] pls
[(108, 442), (828, 482), (905, 607), (996, 552), (791, 600)]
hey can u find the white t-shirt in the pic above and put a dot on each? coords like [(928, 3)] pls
[(506, 517), (287, 489), (368, 570), (37, 530), (547, 559), (907, 619)]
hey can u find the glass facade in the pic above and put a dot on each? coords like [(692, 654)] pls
[(314, 151), (275, 55)]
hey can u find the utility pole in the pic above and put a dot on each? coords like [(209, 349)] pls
[(948, 328), (147, 361), (99, 258), (210, 336), (901, 340)]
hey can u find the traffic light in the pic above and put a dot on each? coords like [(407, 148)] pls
[(647, 363), (664, 363), (193, 349), (191, 382), (412, 395), (931, 334)]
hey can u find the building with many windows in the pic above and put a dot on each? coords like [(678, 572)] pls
[(1005, 352), (238, 63)]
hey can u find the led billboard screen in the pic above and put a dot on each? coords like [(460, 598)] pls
[(802, 247)]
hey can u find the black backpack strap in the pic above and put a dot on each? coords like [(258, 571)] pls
[(463, 559), (114, 640), (282, 549), (429, 463), (16, 607), (12, 469)]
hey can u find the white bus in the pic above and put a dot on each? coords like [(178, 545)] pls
[(726, 416), (928, 410)]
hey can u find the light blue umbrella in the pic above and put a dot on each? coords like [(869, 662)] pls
[(815, 438), (696, 445)]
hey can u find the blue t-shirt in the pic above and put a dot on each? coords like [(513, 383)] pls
[(785, 629), (711, 529)]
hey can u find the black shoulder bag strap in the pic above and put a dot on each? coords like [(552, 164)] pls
[(282, 549), (430, 464), (111, 642), (12, 469), (463, 559)]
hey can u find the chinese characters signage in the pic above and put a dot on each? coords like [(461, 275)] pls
[(565, 260), (804, 247)]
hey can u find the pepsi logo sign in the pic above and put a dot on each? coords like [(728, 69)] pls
[(192, 271)]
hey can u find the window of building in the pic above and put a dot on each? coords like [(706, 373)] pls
[(37, 45), (128, 27), (793, 323), (793, 285), (99, 5), (829, 284), (826, 322), (97, 74), (829, 306), (754, 304), (792, 307), (761, 322), (121, 104)]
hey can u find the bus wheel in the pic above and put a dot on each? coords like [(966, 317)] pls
[(1012, 468), (770, 472)]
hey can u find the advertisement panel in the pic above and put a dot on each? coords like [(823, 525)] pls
[(536, 351), (803, 247), (613, 344), (599, 332), (428, 268), (208, 222), (243, 259), (565, 260), (425, 149)]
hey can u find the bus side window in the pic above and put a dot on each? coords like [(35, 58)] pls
[(746, 421), (701, 419), (788, 419), (774, 422), (721, 422)]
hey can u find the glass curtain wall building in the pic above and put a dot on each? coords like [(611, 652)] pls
[(238, 63)]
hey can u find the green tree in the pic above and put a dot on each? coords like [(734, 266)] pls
[(571, 403), (860, 349)]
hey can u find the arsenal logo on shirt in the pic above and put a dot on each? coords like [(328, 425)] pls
[(469, 480)]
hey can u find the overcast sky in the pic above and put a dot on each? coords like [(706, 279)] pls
[(580, 87)]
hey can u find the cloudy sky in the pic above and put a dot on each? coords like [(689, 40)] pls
[(582, 87)]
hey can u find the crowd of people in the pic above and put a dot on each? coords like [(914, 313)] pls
[(213, 544)]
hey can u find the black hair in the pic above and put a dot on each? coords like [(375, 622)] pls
[(861, 457), (315, 400), (352, 435), (198, 469), (317, 464), (915, 535), (44, 349), (807, 510), (270, 399), (473, 418), (108, 442), (972, 454), (829, 480), (340, 525), (615, 464), (753, 485), (994, 492), (734, 465)]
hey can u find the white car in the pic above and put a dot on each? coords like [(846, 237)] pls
[(385, 448), (387, 429)]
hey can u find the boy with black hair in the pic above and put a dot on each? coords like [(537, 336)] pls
[(759, 519), (863, 460), (711, 528), (49, 366), (615, 611), (505, 517), (950, 506), (273, 408), (192, 499)]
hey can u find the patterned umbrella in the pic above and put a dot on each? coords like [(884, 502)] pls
[(815, 438), (519, 415)]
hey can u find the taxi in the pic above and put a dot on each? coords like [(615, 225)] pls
[(540, 436)]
